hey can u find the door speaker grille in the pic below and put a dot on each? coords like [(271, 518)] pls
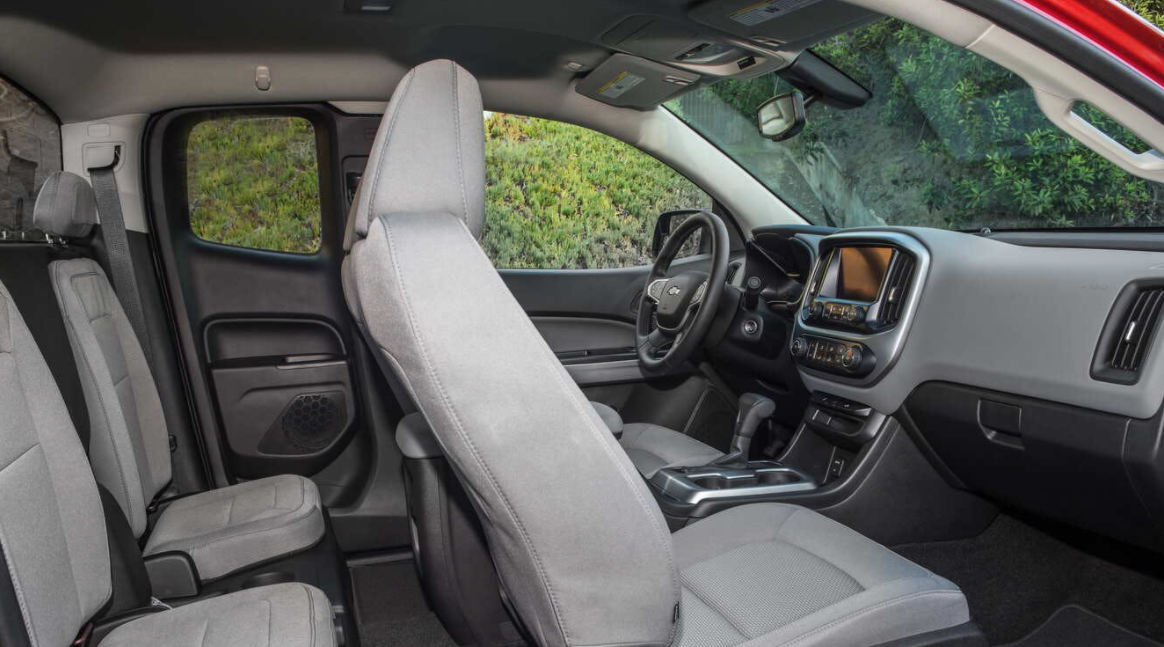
[(309, 424)]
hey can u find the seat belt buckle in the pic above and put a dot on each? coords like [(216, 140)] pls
[(83, 637)]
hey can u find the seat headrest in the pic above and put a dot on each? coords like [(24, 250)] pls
[(429, 153), (66, 206)]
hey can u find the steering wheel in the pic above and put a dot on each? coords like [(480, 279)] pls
[(676, 311)]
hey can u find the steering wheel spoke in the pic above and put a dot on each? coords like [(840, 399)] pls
[(675, 312)]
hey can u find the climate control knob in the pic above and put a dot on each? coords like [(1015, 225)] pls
[(851, 358), (799, 347)]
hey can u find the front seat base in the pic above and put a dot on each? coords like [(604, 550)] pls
[(780, 574)]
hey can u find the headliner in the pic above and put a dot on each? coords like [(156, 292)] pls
[(70, 53)]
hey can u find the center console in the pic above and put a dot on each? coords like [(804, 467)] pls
[(834, 437), (858, 304)]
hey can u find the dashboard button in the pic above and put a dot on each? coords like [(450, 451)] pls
[(799, 347)]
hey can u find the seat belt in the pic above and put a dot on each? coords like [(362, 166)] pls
[(117, 242)]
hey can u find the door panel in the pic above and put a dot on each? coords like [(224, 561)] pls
[(283, 388), (276, 369)]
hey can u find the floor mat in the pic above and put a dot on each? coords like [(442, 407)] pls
[(391, 608), (1074, 626), (1016, 575)]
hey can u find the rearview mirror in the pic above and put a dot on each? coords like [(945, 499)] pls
[(782, 116)]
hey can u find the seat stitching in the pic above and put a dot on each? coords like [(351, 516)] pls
[(448, 405), (61, 281), (384, 151), (707, 603), (205, 628), (457, 123), (270, 620)]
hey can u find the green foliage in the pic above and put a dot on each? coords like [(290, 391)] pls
[(254, 182), (562, 196), (994, 158)]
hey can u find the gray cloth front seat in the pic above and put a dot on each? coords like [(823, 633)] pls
[(223, 530), (581, 548), (54, 542)]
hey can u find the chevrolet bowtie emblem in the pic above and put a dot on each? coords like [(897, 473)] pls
[(674, 290)]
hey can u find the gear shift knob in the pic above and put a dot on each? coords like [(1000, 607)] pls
[(754, 409)]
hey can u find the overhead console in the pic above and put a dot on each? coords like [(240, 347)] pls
[(859, 303), (685, 47), (785, 25)]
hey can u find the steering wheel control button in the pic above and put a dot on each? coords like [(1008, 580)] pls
[(655, 289)]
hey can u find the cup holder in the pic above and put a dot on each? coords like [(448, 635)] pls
[(777, 478), (717, 482), (760, 477), (267, 579)]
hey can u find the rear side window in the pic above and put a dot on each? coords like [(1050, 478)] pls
[(253, 181), (30, 150)]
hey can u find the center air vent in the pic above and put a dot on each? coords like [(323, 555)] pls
[(1127, 336), (896, 289)]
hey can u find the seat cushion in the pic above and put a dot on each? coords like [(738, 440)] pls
[(776, 574), (235, 527), (651, 448), (287, 615)]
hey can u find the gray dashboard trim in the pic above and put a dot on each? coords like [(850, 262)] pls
[(1022, 320)]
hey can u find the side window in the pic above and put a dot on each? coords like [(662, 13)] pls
[(253, 181), (30, 150), (560, 196)]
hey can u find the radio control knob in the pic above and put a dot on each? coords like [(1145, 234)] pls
[(851, 358), (816, 310), (799, 347)]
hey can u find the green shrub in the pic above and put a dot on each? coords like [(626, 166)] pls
[(952, 139), (562, 196), (254, 182)]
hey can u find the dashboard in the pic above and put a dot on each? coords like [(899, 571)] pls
[(1029, 370), (970, 310)]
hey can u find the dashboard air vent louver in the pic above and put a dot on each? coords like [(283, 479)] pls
[(1136, 328), (897, 288)]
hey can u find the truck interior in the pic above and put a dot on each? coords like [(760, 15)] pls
[(691, 323)]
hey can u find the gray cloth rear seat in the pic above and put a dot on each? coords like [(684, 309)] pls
[(224, 530), (56, 552)]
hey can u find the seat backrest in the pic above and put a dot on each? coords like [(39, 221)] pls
[(52, 530), (582, 550), (128, 440)]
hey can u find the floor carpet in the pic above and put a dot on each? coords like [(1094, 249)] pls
[(1016, 575), (391, 608), (1074, 626)]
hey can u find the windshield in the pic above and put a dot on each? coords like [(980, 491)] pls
[(950, 139)]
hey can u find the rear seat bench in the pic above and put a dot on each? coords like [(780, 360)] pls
[(60, 584), (225, 541)]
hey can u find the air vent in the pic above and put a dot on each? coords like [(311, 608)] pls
[(896, 289), (1135, 331)]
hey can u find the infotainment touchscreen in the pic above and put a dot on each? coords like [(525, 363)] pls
[(862, 271)]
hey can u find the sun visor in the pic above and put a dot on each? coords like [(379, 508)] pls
[(630, 82), (789, 25)]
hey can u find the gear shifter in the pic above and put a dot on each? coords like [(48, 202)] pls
[(754, 409)]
